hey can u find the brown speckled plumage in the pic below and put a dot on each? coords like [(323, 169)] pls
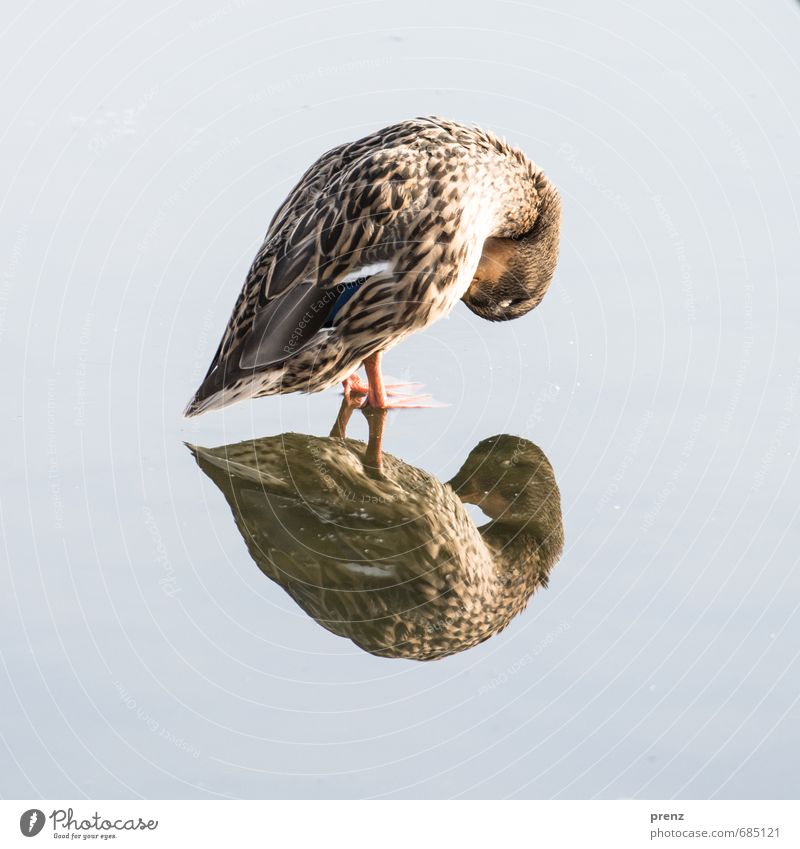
[(410, 208), (392, 560)]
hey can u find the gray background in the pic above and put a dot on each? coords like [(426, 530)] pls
[(143, 149)]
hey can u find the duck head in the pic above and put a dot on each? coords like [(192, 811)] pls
[(514, 273)]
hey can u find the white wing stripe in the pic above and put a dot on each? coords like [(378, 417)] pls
[(366, 271)]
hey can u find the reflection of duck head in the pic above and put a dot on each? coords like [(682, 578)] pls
[(393, 561), (512, 482)]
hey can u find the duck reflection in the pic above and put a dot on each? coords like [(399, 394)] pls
[(382, 552)]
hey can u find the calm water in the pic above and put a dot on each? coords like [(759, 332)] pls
[(145, 653)]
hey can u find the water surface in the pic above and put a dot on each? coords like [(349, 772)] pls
[(145, 653)]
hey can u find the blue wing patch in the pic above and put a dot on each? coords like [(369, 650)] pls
[(347, 292)]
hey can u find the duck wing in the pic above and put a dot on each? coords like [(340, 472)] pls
[(347, 219), (348, 234)]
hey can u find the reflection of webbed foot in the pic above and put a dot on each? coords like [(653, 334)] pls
[(373, 456), (339, 429), (376, 420)]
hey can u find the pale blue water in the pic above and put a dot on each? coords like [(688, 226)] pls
[(144, 150)]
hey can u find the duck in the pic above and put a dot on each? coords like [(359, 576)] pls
[(380, 238), (391, 558)]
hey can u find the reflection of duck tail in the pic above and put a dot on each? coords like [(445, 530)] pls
[(220, 464)]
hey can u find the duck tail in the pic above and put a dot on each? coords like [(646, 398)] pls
[(221, 388), (199, 404), (211, 395)]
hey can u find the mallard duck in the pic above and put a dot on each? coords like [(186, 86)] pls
[(380, 238), (392, 560)]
